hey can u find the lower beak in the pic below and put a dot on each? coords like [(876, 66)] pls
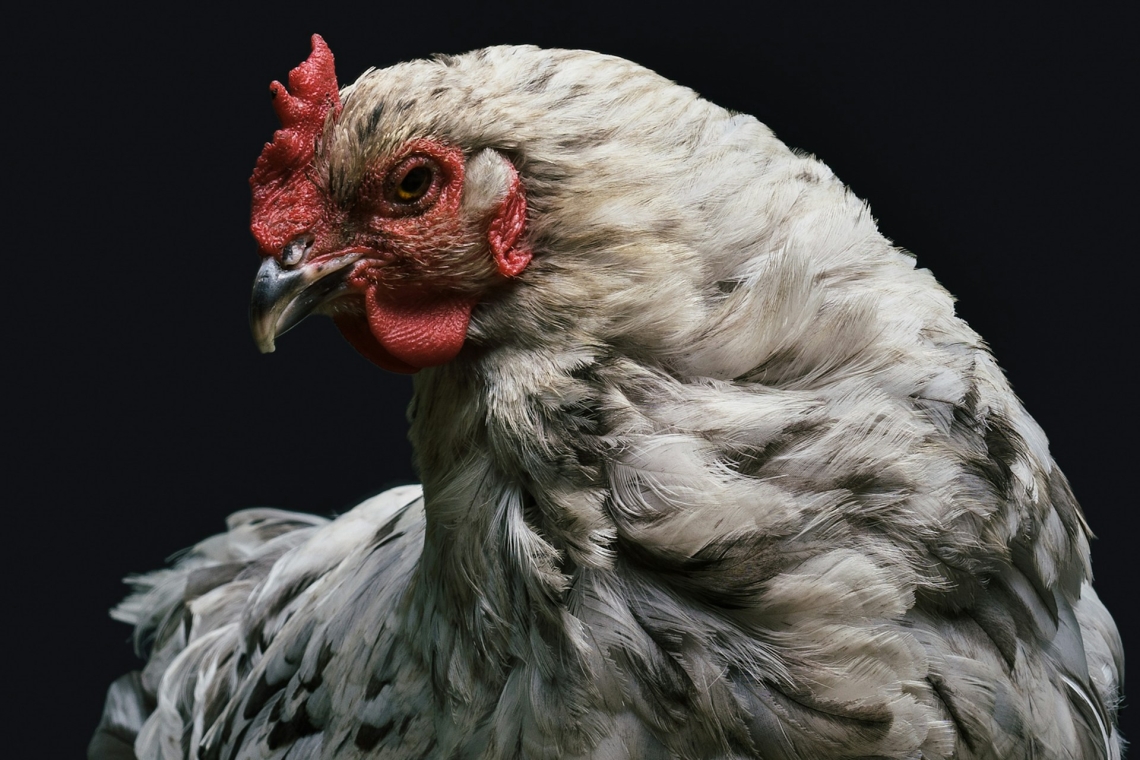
[(283, 297)]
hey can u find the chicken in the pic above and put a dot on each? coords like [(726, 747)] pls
[(710, 469)]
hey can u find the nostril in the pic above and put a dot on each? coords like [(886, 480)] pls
[(296, 250)]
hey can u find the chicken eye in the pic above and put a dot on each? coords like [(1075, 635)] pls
[(410, 187), (414, 184)]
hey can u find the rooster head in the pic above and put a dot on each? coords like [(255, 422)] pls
[(397, 237)]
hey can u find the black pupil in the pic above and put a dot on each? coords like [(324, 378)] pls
[(415, 183)]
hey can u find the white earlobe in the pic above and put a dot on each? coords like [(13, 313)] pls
[(486, 182)]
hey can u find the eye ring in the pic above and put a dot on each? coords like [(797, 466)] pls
[(414, 184)]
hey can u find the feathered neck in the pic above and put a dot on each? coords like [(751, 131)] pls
[(500, 546)]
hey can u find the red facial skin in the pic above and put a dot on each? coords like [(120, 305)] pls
[(410, 324), (413, 316)]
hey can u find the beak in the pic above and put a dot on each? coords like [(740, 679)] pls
[(283, 297)]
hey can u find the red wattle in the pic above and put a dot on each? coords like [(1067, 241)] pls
[(356, 331), (420, 333)]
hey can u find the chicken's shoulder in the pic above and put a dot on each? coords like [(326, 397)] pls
[(242, 605)]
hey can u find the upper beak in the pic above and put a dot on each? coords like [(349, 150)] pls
[(283, 297)]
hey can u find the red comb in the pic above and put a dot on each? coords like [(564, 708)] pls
[(285, 201)]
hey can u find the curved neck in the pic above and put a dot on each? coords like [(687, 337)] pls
[(495, 570)]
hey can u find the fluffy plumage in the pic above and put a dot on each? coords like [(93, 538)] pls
[(719, 475)]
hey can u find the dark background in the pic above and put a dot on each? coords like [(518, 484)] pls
[(995, 145)]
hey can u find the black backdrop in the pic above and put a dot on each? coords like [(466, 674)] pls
[(994, 145)]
